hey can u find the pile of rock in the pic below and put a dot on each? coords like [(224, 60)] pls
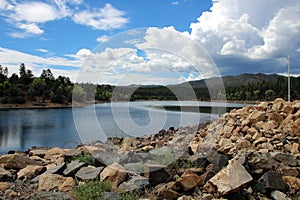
[(250, 153)]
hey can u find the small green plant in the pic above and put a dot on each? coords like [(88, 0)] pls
[(88, 159), (184, 164), (129, 196), (91, 190)]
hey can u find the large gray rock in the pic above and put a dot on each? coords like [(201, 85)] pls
[(271, 180), (217, 159), (156, 174), (16, 161), (88, 173), (231, 178), (135, 183), (73, 167)]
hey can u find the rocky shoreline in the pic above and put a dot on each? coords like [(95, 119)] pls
[(250, 153)]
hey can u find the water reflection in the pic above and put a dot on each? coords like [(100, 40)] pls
[(24, 128)]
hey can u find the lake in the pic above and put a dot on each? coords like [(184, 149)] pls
[(21, 129)]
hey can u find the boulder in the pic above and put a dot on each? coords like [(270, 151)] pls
[(4, 186), (129, 144), (271, 180), (16, 161), (231, 178), (5, 174), (54, 152), (277, 195), (10, 194), (278, 104), (71, 154), (49, 182), (38, 151), (58, 169), (114, 173), (293, 183), (165, 191), (156, 174), (73, 167), (285, 159), (296, 127), (31, 171), (217, 159), (135, 183), (256, 116), (88, 173), (187, 181)]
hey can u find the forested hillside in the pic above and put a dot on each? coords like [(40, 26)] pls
[(24, 87)]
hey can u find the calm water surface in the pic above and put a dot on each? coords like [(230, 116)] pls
[(24, 128)]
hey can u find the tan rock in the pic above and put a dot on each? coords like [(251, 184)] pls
[(10, 194), (49, 182), (128, 143), (256, 136), (15, 161), (288, 108), (252, 131), (242, 144), (114, 173), (260, 140), (31, 171), (4, 186), (228, 130), (296, 127), (38, 152), (54, 151), (5, 174), (293, 182), (231, 178), (256, 116), (67, 185), (267, 145), (295, 148), (270, 125), (187, 181), (276, 117), (287, 121), (278, 104)]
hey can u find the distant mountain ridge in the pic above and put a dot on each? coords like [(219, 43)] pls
[(231, 81)]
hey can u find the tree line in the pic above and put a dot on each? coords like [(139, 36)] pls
[(24, 87)]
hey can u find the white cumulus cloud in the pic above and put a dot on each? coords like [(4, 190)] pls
[(105, 18), (248, 31), (103, 38)]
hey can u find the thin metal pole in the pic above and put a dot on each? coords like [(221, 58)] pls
[(289, 78)]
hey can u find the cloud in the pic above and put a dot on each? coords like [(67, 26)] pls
[(28, 16), (42, 50), (103, 38), (13, 58), (35, 12), (31, 28), (248, 32), (105, 18), (175, 3)]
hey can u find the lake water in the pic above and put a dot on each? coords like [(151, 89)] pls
[(23, 128)]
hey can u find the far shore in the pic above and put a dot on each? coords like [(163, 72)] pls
[(49, 105)]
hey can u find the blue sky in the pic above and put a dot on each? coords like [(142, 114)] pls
[(237, 36)]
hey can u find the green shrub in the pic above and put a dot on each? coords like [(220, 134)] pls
[(91, 190), (88, 159)]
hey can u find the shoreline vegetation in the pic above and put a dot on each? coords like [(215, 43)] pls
[(259, 143), (23, 90)]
